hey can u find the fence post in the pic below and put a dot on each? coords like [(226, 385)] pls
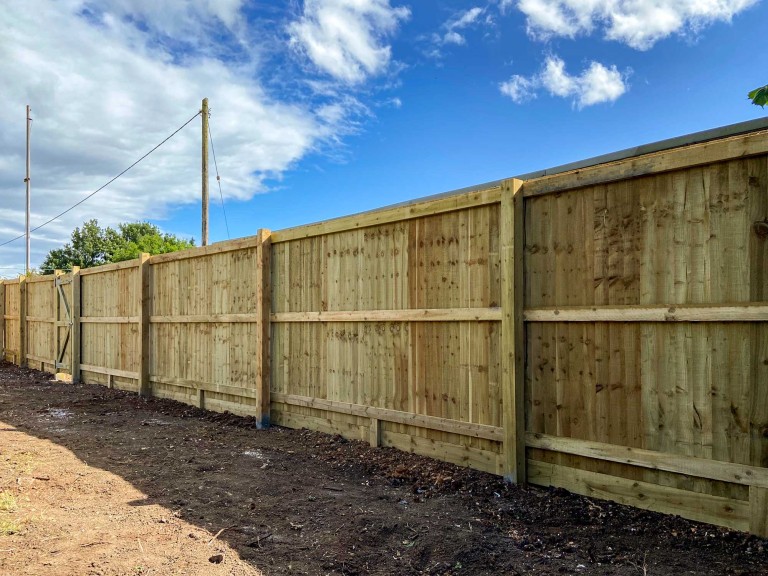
[(758, 506), (22, 321), (145, 309), (513, 330), (56, 340), (263, 332), (2, 320), (76, 348)]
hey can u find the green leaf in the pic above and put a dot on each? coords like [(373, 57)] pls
[(92, 245), (759, 96)]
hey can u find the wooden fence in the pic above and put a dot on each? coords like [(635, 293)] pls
[(603, 329)]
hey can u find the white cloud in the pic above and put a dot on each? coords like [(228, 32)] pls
[(460, 21), (599, 84), (346, 38), (466, 18), (637, 23), (555, 79), (104, 91), (182, 19), (595, 85), (453, 37), (519, 88)]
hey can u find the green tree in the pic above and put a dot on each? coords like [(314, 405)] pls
[(759, 96), (92, 245), (141, 237)]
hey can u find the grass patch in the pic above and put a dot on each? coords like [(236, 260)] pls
[(8, 527), (7, 502)]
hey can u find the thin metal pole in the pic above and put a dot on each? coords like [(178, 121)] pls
[(27, 180), (205, 172)]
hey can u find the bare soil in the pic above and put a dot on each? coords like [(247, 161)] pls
[(101, 482)]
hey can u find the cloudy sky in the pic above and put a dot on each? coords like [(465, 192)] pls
[(321, 108)]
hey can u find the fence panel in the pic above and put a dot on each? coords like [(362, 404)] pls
[(109, 325), (41, 323), (12, 297), (391, 334), (646, 301), (205, 319)]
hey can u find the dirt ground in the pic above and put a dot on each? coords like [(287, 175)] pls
[(100, 482)]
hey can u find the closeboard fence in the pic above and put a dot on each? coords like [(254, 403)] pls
[(603, 329)]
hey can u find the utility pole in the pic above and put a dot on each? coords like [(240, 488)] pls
[(28, 181), (205, 171)]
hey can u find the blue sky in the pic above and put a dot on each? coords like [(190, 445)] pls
[(322, 108)]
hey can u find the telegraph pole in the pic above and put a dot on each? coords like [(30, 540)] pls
[(27, 180), (205, 171)]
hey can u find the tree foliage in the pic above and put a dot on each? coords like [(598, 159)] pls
[(92, 245), (759, 96)]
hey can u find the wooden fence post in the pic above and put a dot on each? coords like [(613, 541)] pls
[(758, 506), (76, 348), (145, 309), (56, 340), (263, 332), (513, 330), (22, 321), (2, 320)]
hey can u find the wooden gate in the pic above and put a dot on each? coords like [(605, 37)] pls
[(64, 324)]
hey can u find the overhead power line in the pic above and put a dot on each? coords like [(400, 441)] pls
[(218, 179), (179, 129)]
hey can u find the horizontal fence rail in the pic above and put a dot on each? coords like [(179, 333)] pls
[(602, 329)]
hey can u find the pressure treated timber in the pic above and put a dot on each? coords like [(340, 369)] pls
[(263, 281), (61, 290), (205, 386), (741, 146), (678, 463), (431, 422), (22, 341), (11, 316), (465, 456), (637, 313), (217, 248), (109, 371), (77, 344), (111, 267), (40, 322), (694, 506), (512, 331), (327, 425), (144, 296), (374, 432), (758, 504), (428, 207), (33, 279), (205, 318), (2, 319), (405, 315), (110, 319), (41, 359)]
